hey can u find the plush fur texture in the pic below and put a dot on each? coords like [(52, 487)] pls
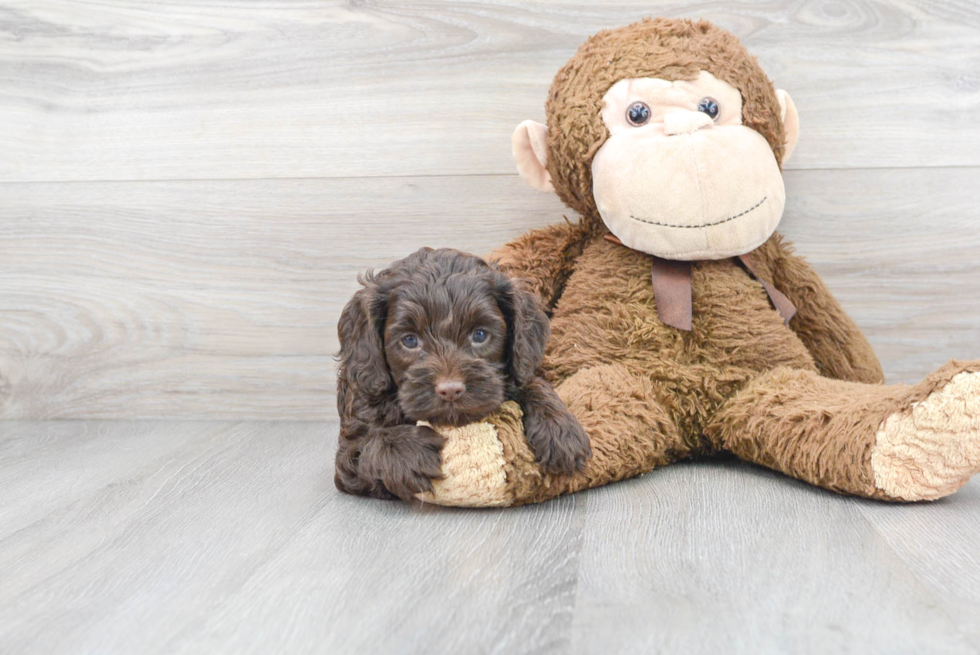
[(488, 463), (651, 394), (661, 48), (804, 397), (932, 447), (926, 446)]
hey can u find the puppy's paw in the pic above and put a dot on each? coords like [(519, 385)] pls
[(558, 441), (405, 460)]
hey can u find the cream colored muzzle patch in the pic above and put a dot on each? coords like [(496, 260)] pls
[(683, 185), (712, 193), (932, 448)]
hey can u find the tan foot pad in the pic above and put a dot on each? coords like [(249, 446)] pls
[(932, 448)]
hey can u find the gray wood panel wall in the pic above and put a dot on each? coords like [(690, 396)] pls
[(188, 192)]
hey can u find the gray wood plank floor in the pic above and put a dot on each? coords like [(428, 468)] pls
[(207, 537)]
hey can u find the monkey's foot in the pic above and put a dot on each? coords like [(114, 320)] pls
[(931, 448)]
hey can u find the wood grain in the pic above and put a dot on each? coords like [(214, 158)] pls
[(118, 90), (219, 299), (948, 566), (229, 537), (723, 557), (205, 537)]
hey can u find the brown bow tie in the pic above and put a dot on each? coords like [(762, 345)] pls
[(672, 290)]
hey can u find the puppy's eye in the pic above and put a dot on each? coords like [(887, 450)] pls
[(410, 341), (480, 335), (638, 114), (709, 106)]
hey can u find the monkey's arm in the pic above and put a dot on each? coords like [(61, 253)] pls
[(837, 345), (543, 258)]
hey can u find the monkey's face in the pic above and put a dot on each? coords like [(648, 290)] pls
[(680, 176)]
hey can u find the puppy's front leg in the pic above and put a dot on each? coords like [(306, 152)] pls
[(404, 458), (556, 437)]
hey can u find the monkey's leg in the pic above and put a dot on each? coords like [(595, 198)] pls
[(629, 429), (890, 442)]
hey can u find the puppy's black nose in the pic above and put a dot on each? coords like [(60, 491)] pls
[(450, 390)]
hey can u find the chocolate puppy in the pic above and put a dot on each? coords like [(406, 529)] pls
[(440, 336)]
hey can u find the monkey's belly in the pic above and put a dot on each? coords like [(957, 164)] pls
[(607, 314)]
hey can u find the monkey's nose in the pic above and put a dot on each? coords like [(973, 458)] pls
[(450, 390), (685, 122)]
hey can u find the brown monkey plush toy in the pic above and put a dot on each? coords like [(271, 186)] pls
[(682, 323)]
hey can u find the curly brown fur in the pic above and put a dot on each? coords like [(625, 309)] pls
[(442, 337)]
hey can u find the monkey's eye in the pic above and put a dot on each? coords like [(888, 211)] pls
[(709, 106), (480, 335), (638, 114), (410, 341)]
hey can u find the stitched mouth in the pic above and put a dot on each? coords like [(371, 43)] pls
[(724, 220)]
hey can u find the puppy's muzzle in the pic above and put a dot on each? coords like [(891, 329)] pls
[(450, 390)]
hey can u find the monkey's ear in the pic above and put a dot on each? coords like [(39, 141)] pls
[(791, 123), (529, 145)]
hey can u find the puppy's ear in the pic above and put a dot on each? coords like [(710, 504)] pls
[(361, 328), (527, 328)]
